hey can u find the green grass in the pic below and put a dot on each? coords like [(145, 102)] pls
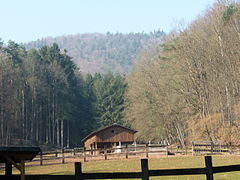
[(131, 165)]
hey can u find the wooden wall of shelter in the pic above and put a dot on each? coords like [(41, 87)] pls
[(109, 136)]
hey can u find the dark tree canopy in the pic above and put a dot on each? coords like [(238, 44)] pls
[(44, 100)]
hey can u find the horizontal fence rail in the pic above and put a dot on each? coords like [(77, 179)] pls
[(145, 173), (210, 147)]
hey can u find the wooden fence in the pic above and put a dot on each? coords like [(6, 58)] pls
[(143, 150), (210, 147), (145, 173), (126, 151), (60, 154)]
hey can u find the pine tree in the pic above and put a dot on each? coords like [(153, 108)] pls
[(109, 90)]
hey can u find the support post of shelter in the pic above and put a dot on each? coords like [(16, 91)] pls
[(8, 168), (22, 164), (17, 156), (126, 151), (20, 167), (8, 159), (91, 149), (96, 147), (84, 155), (105, 152)]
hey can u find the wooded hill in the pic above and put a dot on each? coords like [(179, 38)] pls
[(188, 88), (102, 52)]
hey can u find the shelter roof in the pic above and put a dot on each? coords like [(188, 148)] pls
[(18, 153)]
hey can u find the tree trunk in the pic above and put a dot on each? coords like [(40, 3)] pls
[(62, 128), (68, 138), (58, 136)]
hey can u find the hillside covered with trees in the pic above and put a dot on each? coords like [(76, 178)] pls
[(185, 88), (189, 88), (102, 52)]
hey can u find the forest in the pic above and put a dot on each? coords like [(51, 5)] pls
[(188, 87), (185, 88), (99, 53), (44, 99)]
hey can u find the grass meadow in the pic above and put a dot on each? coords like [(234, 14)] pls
[(133, 165)]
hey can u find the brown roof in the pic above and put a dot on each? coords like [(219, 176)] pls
[(95, 132)]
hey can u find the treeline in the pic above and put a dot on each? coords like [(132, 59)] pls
[(189, 87), (44, 99), (96, 52)]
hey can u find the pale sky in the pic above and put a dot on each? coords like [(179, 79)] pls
[(28, 20)]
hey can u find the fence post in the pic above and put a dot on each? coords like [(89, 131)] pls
[(105, 152), (146, 150), (212, 147), (74, 152), (209, 168), (41, 158), (78, 170), (84, 155), (230, 149), (193, 148), (126, 151), (63, 156), (144, 165), (166, 150), (56, 153)]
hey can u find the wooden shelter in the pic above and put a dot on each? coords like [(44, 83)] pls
[(109, 137), (17, 156)]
